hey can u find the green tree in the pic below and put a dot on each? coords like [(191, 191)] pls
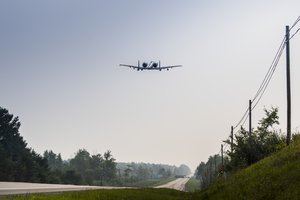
[(96, 166), (81, 163), (17, 162), (250, 148), (56, 166), (143, 173), (71, 177), (108, 168), (55, 161)]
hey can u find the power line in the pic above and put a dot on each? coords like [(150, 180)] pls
[(264, 83), (242, 124), (261, 90), (270, 76), (240, 121), (295, 33), (269, 71), (245, 120), (295, 23)]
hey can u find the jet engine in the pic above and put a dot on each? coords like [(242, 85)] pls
[(154, 65)]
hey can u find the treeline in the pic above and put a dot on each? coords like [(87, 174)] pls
[(208, 171), (17, 161), (247, 149), (20, 163), (96, 169), (131, 173), (83, 169), (23, 164)]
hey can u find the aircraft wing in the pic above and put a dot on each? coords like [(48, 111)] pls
[(169, 67), (131, 66)]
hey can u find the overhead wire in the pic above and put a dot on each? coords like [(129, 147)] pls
[(264, 84), (295, 33), (262, 88), (295, 23), (273, 66), (267, 76), (245, 120), (260, 92), (240, 121), (270, 77)]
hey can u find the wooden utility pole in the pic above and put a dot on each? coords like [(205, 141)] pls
[(231, 142), (222, 157), (288, 84), (250, 117), (215, 164), (210, 170)]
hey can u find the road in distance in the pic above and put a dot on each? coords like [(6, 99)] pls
[(177, 184), (11, 188)]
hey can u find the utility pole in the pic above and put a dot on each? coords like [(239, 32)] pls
[(231, 142), (288, 84), (215, 165), (210, 169), (250, 117), (222, 157)]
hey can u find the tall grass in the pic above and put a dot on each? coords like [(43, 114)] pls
[(122, 194), (275, 177), (192, 185)]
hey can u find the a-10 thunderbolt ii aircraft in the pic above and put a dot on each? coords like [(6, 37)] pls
[(150, 66)]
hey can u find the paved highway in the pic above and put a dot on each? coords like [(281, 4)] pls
[(9, 188), (177, 184)]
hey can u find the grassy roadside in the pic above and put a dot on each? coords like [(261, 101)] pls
[(192, 185), (149, 183), (275, 177), (163, 181), (122, 194)]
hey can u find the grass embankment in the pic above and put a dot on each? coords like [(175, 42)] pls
[(275, 177), (149, 183), (122, 194), (192, 185), (162, 181)]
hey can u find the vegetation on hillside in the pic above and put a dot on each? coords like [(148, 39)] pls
[(122, 194), (192, 185), (275, 177), (247, 149)]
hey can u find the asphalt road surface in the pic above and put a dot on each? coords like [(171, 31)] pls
[(177, 184), (10, 188)]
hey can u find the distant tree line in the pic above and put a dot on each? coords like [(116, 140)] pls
[(20, 163), (247, 149), (131, 173), (83, 169), (208, 171)]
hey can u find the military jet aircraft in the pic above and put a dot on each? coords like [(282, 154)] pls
[(150, 66)]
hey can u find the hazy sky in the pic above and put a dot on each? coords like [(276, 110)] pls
[(59, 66)]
